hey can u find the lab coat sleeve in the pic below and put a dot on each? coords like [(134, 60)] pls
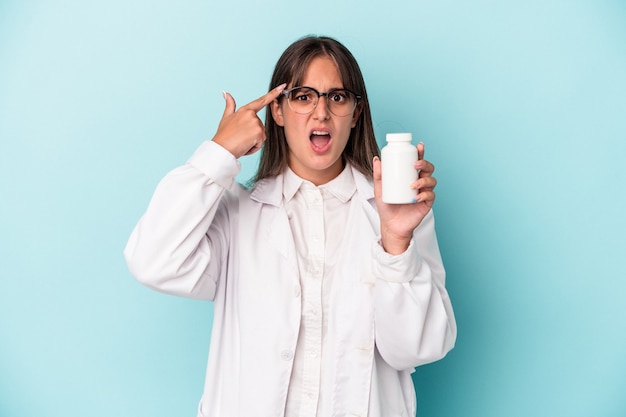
[(180, 244), (414, 320)]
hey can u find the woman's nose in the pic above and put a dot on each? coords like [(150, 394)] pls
[(321, 111)]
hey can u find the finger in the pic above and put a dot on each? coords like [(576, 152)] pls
[(230, 104), (424, 167), (376, 164), (255, 148), (258, 144), (260, 103), (377, 175), (420, 151), (427, 197), (425, 183)]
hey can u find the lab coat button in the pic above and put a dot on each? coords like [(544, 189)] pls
[(286, 355)]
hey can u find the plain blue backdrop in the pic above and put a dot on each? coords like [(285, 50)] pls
[(521, 105)]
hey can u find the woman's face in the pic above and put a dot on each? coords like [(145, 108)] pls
[(316, 140)]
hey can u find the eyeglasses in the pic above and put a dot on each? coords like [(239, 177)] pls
[(303, 100)]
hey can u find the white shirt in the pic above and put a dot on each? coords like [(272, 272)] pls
[(318, 217), (204, 236)]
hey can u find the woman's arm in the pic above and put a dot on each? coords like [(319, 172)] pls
[(179, 243), (414, 318)]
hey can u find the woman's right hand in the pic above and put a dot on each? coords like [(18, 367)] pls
[(241, 131)]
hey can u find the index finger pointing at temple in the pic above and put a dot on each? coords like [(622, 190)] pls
[(258, 104)]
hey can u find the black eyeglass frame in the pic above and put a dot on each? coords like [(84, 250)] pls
[(357, 98)]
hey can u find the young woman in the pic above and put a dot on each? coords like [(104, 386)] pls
[(326, 298)]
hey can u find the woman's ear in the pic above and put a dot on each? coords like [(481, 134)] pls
[(357, 114), (277, 113)]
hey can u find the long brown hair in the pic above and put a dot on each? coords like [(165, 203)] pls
[(291, 68)]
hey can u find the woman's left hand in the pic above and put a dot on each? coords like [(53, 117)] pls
[(397, 221)]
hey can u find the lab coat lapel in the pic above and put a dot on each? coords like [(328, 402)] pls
[(269, 192)]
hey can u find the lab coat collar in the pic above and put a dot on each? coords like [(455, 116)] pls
[(270, 190), (341, 187)]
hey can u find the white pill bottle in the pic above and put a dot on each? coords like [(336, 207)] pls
[(397, 158)]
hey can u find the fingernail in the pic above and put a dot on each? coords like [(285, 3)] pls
[(224, 94), (281, 87)]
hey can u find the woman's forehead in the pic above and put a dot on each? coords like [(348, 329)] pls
[(302, 67)]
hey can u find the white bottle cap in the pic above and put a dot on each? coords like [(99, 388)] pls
[(399, 137)]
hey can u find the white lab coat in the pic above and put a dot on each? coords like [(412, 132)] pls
[(204, 236)]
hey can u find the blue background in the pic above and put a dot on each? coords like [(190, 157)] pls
[(521, 104)]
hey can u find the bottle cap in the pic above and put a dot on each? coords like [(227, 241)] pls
[(399, 137)]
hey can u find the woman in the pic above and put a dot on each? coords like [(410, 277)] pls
[(326, 298)]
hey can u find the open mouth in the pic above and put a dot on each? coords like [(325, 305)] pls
[(320, 140)]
